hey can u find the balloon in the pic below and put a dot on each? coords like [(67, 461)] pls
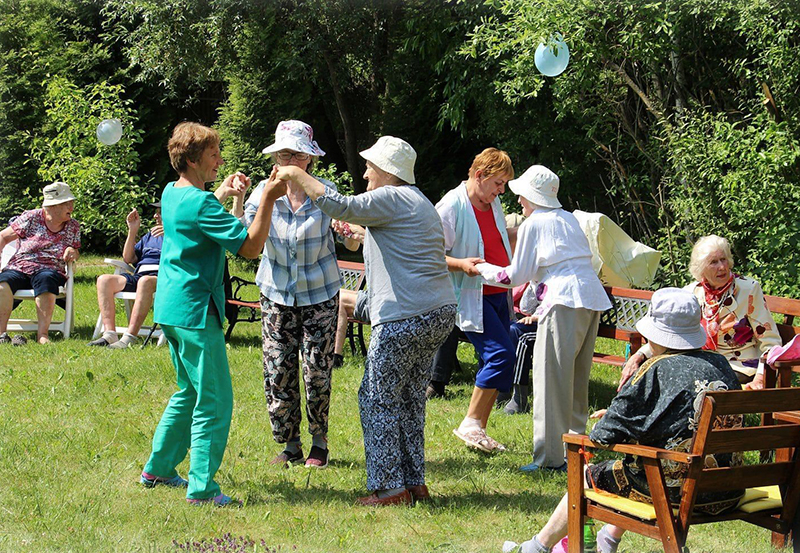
[(551, 58), (109, 131)]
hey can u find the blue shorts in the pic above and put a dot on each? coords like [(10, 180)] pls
[(132, 280), (494, 346), (45, 280)]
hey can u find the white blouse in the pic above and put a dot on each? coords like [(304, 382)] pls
[(553, 251)]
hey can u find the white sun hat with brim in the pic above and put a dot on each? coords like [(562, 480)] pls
[(538, 185), (393, 155), (296, 136), (57, 193), (673, 320)]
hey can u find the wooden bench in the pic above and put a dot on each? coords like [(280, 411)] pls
[(789, 309), (619, 323), (773, 488), (242, 300), (630, 305), (354, 279)]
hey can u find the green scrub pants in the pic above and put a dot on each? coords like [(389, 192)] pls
[(199, 413)]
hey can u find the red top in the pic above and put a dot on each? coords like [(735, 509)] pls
[(494, 251)]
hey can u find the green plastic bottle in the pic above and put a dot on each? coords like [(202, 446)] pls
[(589, 537)]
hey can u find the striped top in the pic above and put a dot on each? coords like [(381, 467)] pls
[(298, 266)]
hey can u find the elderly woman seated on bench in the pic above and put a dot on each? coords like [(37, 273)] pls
[(658, 407), (145, 255), (48, 239), (736, 319)]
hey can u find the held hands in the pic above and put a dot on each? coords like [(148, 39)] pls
[(234, 185), (468, 266), (629, 369), (353, 232), (598, 414), (133, 221), (276, 185)]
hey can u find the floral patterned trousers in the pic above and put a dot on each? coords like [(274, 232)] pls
[(392, 396), (289, 331)]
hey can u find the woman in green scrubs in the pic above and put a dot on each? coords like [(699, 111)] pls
[(189, 306)]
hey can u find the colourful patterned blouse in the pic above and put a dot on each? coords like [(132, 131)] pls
[(39, 247), (746, 326)]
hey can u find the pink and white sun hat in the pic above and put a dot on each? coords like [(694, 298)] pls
[(294, 135)]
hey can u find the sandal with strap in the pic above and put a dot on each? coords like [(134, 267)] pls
[(477, 439), (285, 458), (150, 481)]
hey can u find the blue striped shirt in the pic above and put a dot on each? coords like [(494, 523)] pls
[(298, 265)]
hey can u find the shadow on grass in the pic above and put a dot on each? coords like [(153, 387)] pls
[(304, 492), (601, 393), (244, 341)]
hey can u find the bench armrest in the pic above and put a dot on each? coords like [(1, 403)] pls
[(786, 363), (630, 449)]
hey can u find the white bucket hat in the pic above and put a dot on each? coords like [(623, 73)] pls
[(294, 135), (393, 155), (673, 320), (57, 193), (538, 185)]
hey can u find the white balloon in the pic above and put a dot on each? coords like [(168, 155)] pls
[(109, 131), (551, 58)]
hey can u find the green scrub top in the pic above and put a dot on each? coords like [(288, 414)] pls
[(197, 231)]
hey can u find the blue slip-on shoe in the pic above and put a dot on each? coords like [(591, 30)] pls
[(533, 467), (150, 481)]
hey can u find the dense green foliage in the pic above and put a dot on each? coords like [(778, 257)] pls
[(676, 118), (103, 178), (668, 95)]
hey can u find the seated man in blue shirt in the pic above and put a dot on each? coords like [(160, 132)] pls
[(145, 256)]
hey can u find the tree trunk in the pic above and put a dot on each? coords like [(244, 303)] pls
[(350, 135)]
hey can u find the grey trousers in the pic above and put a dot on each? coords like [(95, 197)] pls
[(562, 359)]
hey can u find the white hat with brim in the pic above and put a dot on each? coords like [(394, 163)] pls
[(57, 193), (538, 185), (673, 320), (296, 136), (393, 155)]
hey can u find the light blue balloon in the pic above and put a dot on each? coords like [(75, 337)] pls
[(551, 58), (109, 131)]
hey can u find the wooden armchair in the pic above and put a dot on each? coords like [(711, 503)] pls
[(772, 488)]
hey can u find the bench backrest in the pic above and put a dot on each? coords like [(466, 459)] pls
[(710, 440), (790, 309), (353, 275), (629, 305)]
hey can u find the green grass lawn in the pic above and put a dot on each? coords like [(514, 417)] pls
[(75, 430)]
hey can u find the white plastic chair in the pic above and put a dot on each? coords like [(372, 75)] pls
[(121, 268), (64, 292)]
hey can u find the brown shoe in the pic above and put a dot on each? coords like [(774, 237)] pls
[(419, 493), (372, 500)]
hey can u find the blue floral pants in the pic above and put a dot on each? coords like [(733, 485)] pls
[(392, 396)]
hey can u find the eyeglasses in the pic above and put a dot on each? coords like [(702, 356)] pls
[(286, 156)]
